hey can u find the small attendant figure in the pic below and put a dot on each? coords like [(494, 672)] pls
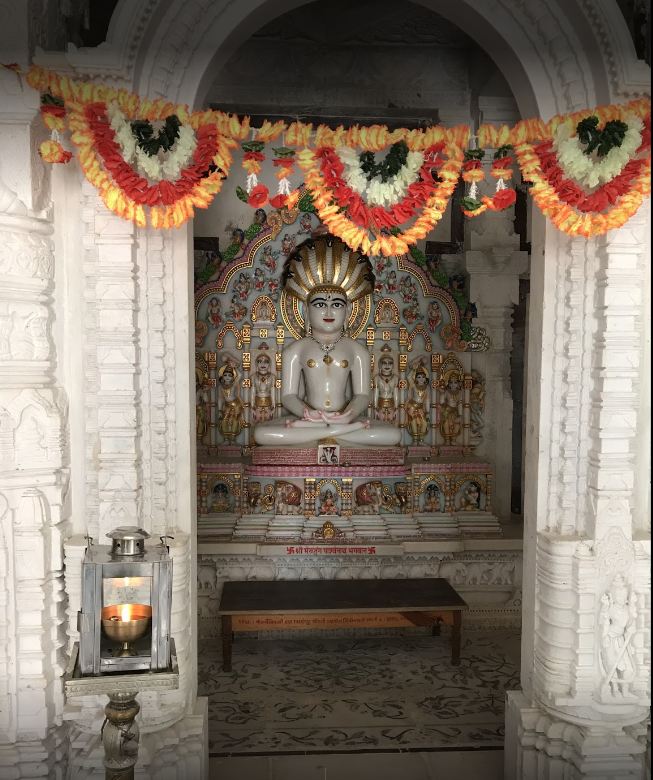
[(262, 389), (386, 387), (305, 225), (434, 315), (214, 313), (230, 407), (417, 404), (451, 409), (328, 503)]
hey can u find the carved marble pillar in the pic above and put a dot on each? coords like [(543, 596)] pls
[(583, 710), (33, 454), (494, 264)]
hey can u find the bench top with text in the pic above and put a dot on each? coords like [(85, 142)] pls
[(287, 596)]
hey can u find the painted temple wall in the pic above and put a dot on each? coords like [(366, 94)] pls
[(97, 430)]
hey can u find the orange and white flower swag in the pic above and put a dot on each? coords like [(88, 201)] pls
[(379, 190)]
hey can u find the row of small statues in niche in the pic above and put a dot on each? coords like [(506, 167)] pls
[(385, 399), (286, 498)]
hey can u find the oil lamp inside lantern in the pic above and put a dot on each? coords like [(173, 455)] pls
[(126, 623)]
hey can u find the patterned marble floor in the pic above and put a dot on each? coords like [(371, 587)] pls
[(287, 696)]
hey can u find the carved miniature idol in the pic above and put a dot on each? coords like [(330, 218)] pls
[(451, 409), (417, 420), (328, 504), (327, 277), (471, 497), (434, 315), (386, 387), (262, 389), (617, 626), (214, 313), (432, 498), (220, 498), (230, 407)]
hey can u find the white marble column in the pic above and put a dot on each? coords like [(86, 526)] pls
[(33, 454), (494, 264), (583, 708)]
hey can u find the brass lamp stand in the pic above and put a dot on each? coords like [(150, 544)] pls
[(120, 733)]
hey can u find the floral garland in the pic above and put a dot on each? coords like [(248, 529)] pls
[(346, 215), (377, 190), (155, 162), (168, 202), (573, 206), (151, 165), (590, 172)]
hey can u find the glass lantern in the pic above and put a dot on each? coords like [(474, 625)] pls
[(124, 623)]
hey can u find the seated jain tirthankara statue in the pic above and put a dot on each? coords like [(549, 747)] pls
[(327, 278)]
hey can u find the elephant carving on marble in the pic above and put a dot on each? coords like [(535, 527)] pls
[(206, 578), (369, 498), (288, 498), (455, 571)]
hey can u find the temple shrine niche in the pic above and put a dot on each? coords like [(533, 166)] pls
[(423, 362)]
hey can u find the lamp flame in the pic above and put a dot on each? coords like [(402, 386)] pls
[(125, 613)]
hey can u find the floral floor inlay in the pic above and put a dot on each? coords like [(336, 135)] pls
[(353, 694)]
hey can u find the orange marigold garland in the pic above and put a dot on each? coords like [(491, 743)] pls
[(572, 206), (336, 216)]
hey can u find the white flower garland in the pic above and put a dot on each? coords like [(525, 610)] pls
[(377, 192), (591, 171), (152, 166)]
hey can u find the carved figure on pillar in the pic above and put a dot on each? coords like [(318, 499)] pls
[(287, 498), (417, 421), (230, 406), (451, 408), (386, 387), (327, 278), (617, 626), (432, 498)]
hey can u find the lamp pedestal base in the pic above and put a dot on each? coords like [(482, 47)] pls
[(120, 733)]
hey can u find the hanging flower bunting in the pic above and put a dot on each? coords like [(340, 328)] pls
[(370, 204), (378, 189), (503, 196), (593, 177), (473, 174), (284, 162)]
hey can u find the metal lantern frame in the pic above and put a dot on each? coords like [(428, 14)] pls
[(127, 557)]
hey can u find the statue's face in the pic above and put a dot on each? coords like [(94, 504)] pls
[(386, 366), (421, 380), (227, 378), (263, 364), (327, 312)]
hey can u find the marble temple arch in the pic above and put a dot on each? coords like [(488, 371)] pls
[(99, 430)]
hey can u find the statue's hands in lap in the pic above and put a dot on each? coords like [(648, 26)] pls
[(330, 418)]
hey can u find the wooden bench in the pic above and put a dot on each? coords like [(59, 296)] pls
[(284, 605)]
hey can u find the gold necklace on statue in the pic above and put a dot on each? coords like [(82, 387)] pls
[(327, 347)]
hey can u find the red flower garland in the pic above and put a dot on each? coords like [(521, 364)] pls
[(378, 216), (136, 186), (572, 194)]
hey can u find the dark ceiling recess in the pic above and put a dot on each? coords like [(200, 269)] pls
[(100, 15)]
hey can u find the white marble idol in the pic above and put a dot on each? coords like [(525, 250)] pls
[(327, 277)]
